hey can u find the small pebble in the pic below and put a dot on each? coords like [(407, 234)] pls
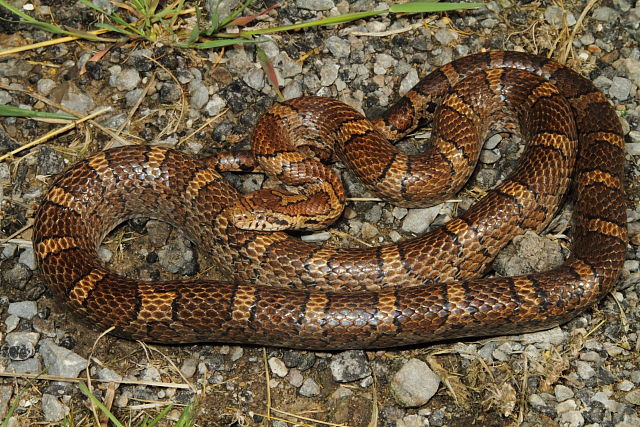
[(584, 369), (350, 366), (188, 368), (563, 393), (309, 388), (23, 309), (278, 367), (414, 384), (418, 220)]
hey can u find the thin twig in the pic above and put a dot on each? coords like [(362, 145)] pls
[(77, 380), (54, 133)]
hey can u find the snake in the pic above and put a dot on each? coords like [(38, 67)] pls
[(278, 290)]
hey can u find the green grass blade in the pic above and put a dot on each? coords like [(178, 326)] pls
[(10, 111), (197, 29), (214, 19), (428, 7), (334, 20), (212, 44), (116, 29), (413, 7), (185, 419), (160, 416), (32, 21), (235, 13), (85, 390), (93, 6)]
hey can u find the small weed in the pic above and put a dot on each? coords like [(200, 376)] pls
[(173, 23)]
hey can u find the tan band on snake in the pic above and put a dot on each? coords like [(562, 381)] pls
[(280, 291)]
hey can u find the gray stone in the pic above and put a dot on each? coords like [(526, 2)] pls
[(150, 373), (529, 253), (557, 16), (632, 68), (369, 231), (633, 397), (339, 47), (5, 97), (604, 14), (316, 237), (554, 336), (23, 309), (127, 79), (562, 392), (104, 254), (625, 385), (591, 356), (395, 236), (315, 4), (254, 79), (295, 377), (235, 353), (169, 93), (399, 213), (633, 148), (132, 97), (29, 366), (6, 391), (21, 345), (492, 142), (632, 265), (290, 67), (199, 96), (61, 361), (621, 88), (350, 366), (489, 156), (418, 220), (604, 398), (566, 406), (409, 81), (45, 86), (15, 68), (374, 214), (178, 257), (309, 388), (189, 366), (49, 162), (28, 258), (536, 401), (53, 409), (414, 384), (12, 322), (503, 352), (630, 420), (10, 249), (414, 420), (383, 62), (77, 100), (584, 370), (215, 105), (572, 419), (278, 367), (445, 36), (108, 374), (328, 74)]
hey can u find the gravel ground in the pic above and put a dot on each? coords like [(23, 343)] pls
[(585, 373)]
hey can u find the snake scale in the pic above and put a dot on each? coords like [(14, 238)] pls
[(281, 291)]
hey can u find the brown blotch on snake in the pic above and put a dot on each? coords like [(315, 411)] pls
[(281, 291)]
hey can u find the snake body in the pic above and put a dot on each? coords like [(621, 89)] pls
[(281, 291)]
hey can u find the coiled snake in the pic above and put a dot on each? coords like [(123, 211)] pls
[(281, 291)]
